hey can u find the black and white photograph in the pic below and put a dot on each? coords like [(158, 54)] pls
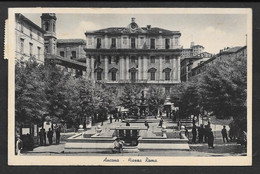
[(130, 86)]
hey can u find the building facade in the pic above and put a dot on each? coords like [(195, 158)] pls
[(187, 64), (29, 39), (71, 48), (225, 54), (133, 54), (192, 51)]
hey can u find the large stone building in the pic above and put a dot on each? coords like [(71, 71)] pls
[(133, 54), (29, 39), (71, 48)]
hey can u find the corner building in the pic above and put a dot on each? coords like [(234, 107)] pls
[(142, 55)]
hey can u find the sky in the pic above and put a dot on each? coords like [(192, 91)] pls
[(213, 31)]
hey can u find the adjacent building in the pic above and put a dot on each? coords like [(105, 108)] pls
[(187, 64), (133, 54), (225, 54), (192, 51), (29, 39), (71, 48)]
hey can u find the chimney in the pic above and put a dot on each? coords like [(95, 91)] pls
[(148, 27), (191, 44), (133, 19)]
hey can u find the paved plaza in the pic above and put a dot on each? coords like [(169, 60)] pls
[(198, 149)]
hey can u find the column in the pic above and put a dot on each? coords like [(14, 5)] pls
[(139, 68), (92, 68), (160, 68), (174, 69), (87, 67), (178, 68), (121, 67), (106, 68), (106, 42), (127, 68), (145, 67)]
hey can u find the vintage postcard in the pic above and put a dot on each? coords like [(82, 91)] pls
[(129, 86)]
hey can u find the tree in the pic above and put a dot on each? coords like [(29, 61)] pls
[(30, 99), (223, 88), (156, 99)]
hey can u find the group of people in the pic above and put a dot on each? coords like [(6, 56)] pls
[(118, 116), (49, 134), (203, 133)]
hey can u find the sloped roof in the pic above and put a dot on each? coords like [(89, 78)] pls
[(28, 21), (142, 30), (68, 41)]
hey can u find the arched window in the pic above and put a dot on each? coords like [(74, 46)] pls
[(167, 72), (113, 73), (152, 72), (133, 74)]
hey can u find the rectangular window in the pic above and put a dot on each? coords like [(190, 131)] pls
[(124, 40), (167, 75), (141, 41), (114, 76), (39, 52), (152, 59), (133, 76), (152, 75), (176, 41), (38, 35), (152, 45), (98, 43), (31, 35), (62, 53), (132, 43), (167, 59), (109, 60), (132, 59), (31, 49), (73, 54), (113, 43), (90, 41), (22, 46), (99, 76), (167, 43)]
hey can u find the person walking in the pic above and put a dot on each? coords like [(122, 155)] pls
[(210, 139), (19, 145), (194, 134), (41, 133), (146, 124), (127, 123), (161, 122), (50, 135), (58, 135), (201, 132), (110, 118), (224, 134), (187, 133)]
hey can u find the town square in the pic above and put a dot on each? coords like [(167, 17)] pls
[(130, 85)]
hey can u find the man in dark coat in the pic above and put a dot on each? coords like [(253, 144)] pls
[(210, 139), (110, 118), (201, 132), (127, 123), (224, 134), (58, 135), (194, 134), (50, 135), (146, 124)]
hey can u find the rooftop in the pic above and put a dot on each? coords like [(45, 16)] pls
[(28, 21), (142, 30), (69, 41)]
